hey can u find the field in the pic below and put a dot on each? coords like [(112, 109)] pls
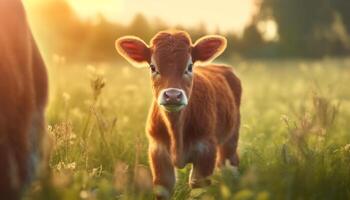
[(294, 144)]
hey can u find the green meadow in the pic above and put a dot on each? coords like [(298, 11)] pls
[(294, 137)]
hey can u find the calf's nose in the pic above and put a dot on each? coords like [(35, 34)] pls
[(173, 96)]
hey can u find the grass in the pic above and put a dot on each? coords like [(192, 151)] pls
[(294, 144)]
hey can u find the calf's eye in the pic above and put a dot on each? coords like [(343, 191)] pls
[(153, 68), (189, 68)]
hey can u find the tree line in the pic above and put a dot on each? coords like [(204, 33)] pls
[(305, 28)]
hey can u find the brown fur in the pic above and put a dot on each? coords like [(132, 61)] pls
[(23, 94), (206, 131)]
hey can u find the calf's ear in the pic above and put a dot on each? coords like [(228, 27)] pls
[(134, 50), (208, 48)]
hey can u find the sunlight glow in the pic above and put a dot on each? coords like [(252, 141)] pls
[(91, 8), (269, 30), (225, 15)]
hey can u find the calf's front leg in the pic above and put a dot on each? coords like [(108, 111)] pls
[(203, 164), (162, 171)]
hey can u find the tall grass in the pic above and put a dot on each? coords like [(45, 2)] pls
[(295, 139)]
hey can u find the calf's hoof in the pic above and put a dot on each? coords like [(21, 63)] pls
[(199, 183), (161, 193)]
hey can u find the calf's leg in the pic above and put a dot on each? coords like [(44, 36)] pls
[(162, 171), (203, 164), (228, 151)]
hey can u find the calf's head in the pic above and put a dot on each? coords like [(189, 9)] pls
[(170, 57)]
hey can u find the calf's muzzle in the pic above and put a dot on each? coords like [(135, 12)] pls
[(172, 99)]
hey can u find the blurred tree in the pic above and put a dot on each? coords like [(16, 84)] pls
[(198, 31), (60, 28), (140, 27), (311, 28), (343, 8), (305, 28), (251, 39), (234, 46), (99, 45)]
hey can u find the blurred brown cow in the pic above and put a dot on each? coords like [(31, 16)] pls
[(23, 96)]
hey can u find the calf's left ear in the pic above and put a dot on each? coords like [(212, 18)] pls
[(208, 48)]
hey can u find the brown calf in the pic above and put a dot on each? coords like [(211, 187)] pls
[(23, 94), (195, 116)]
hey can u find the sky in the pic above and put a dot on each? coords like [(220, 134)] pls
[(227, 15)]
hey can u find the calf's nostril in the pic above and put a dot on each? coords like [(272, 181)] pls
[(179, 96), (166, 95)]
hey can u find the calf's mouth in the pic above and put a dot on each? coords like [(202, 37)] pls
[(172, 107)]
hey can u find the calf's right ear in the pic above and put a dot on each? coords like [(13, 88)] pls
[(134, 50)]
